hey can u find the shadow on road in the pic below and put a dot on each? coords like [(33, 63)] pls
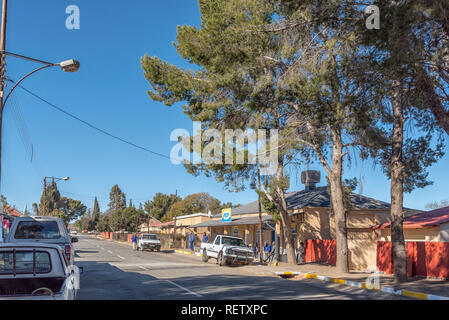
[(102, 281)]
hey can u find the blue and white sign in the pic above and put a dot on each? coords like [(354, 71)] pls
[(226, 215)]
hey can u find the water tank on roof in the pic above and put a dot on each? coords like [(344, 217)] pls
[(310, 178)]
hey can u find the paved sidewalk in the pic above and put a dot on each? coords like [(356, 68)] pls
[(428, 286)]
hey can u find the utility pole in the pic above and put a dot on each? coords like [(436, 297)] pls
[(44, 208), (260, 219), (2, 73), (174, 225)]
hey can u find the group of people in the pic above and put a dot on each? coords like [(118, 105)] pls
[(269, 251)]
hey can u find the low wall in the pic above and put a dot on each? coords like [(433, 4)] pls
[(321, 251), (427, 259)]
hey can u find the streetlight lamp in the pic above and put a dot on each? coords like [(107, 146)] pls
[(71, 65), (53, 179)]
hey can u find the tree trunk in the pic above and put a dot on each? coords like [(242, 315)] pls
[(396, 168), (281, 205), (288, 234), (338, 207)]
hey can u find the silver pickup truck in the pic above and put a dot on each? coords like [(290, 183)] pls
[(34, 271), (42, 230)]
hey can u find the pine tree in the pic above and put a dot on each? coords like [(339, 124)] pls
[(117, 199)]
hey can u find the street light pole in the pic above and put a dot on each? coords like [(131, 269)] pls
[(2, 72), (260, 219)]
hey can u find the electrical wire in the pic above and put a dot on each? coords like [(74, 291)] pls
[(91, 125)]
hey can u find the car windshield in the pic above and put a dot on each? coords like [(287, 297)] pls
[(24, 262), (37, 230), (149, 236), (233, 242)]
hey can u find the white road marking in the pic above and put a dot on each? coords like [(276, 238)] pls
[(120, 257), (110, 251), (181, 287)]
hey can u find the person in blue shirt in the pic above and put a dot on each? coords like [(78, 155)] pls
[(134, 241), (192, 239), (267, 250), (205, 237)]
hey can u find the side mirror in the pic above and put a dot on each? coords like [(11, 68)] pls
[(74, 239), (81, 270)]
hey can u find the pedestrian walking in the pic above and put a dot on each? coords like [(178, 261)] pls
[(134, 241), (301, 251), (273, 248), (192, 239), (205, 238), (256, 250), (267, 250)]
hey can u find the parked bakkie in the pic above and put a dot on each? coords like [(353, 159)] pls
[(227, 250), (37, 271), (43, 229), (148, 241)]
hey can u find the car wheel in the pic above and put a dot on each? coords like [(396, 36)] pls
[(220, 259), (205, 258), (158, 249)]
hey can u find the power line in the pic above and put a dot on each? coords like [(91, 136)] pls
[(91, 125)]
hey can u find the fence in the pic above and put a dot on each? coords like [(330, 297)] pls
[(321, 251), (167, 240), (426, 259)]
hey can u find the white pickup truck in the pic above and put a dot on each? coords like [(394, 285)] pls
[(148, 241), (227, 249), (37, 271)]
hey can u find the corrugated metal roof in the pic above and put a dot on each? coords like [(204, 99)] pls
[(234, 222), (422, 220), (318, 198)]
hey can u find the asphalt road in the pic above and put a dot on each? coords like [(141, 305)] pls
[(114, 271)]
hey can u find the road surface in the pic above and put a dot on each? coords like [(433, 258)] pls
[(113, 271)]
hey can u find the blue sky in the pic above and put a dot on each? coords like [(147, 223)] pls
[(110, 91)]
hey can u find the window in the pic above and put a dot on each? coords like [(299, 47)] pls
[(24, 262), (37, 230), (217, 241), (233, 242), (149, 237)]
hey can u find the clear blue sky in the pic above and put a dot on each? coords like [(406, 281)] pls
[(110, 91)]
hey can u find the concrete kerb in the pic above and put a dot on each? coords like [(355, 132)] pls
[(364, 285), (183, 252)]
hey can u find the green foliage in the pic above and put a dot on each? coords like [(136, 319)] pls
[(161, 203), (3, 200), (69, 209), (349, 186), (194, 203), (117, 199), (52, 204), (95, 214)]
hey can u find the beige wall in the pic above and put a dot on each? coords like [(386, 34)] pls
[(190, 221), (444, 232), (421, 234), (319, 223)]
